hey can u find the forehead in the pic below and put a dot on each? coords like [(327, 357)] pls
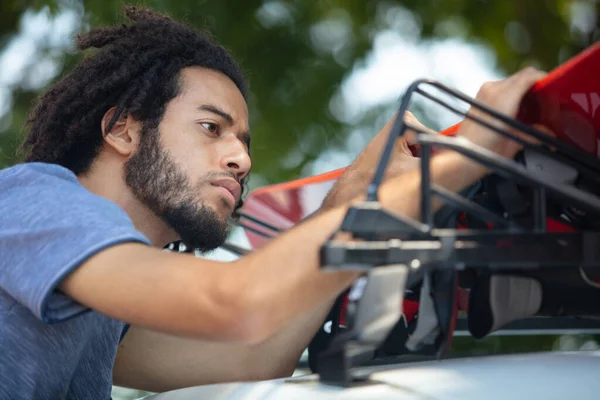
[(204, 86)]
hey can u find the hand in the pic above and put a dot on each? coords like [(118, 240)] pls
[(505, 97), (357, 176), (402, 159)]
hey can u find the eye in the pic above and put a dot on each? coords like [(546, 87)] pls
[(211, 127)]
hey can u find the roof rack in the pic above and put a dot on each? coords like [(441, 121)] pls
[(398, 253)]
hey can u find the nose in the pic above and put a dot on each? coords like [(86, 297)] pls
[(236, 159)]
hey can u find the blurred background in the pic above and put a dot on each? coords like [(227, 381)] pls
[(324, 75)]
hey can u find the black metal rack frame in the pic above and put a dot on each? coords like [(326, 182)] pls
[(389, 239)]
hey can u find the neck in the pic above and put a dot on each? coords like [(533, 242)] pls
[(101, 181)]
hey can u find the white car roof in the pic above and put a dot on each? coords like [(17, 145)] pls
[(553, 375)]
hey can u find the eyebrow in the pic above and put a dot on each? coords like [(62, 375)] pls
[(217, 111), (245, 136)]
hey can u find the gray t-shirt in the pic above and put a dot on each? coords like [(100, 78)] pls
[(51, 347)]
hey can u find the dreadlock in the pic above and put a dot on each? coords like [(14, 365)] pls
[(135, 69)]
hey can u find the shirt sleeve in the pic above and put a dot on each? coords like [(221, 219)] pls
[(49, 225)]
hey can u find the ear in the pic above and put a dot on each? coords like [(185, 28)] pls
[(123, 136)]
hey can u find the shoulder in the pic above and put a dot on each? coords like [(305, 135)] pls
[(50, 225), (39, 191), (24, 173), (24, 180)]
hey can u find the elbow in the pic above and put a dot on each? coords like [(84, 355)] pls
[(273, 363), (247, 315), (260, 369), (284, 372), (252, 326), (270, 374), (263, 363)]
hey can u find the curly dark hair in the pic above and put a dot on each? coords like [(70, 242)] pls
[(136, 69)]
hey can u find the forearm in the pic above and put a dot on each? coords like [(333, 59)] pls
[(352, 184), (158, 362), (281, 353), (348, 187)]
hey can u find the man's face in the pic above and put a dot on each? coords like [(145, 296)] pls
[(188, 171)]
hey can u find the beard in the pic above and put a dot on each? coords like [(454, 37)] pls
[(159, 183)]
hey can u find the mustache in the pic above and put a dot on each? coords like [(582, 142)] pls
[(213, 176)]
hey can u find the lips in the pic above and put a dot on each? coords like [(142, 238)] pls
[(231, 185)]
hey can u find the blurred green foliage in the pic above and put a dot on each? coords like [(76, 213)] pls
[(297, 52)]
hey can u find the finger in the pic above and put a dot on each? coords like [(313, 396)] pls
[(404, 142), (414, 124), (505, 96), (525, 75), (414, 127), (521, 82)]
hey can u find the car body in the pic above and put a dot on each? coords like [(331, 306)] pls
[(547, 375)]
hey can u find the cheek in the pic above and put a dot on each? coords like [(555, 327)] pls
[(193, 154), (198, 163)]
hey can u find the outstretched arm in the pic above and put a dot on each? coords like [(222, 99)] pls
[(254, 298)]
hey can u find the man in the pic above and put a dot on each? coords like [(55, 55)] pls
[(144, 143)]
